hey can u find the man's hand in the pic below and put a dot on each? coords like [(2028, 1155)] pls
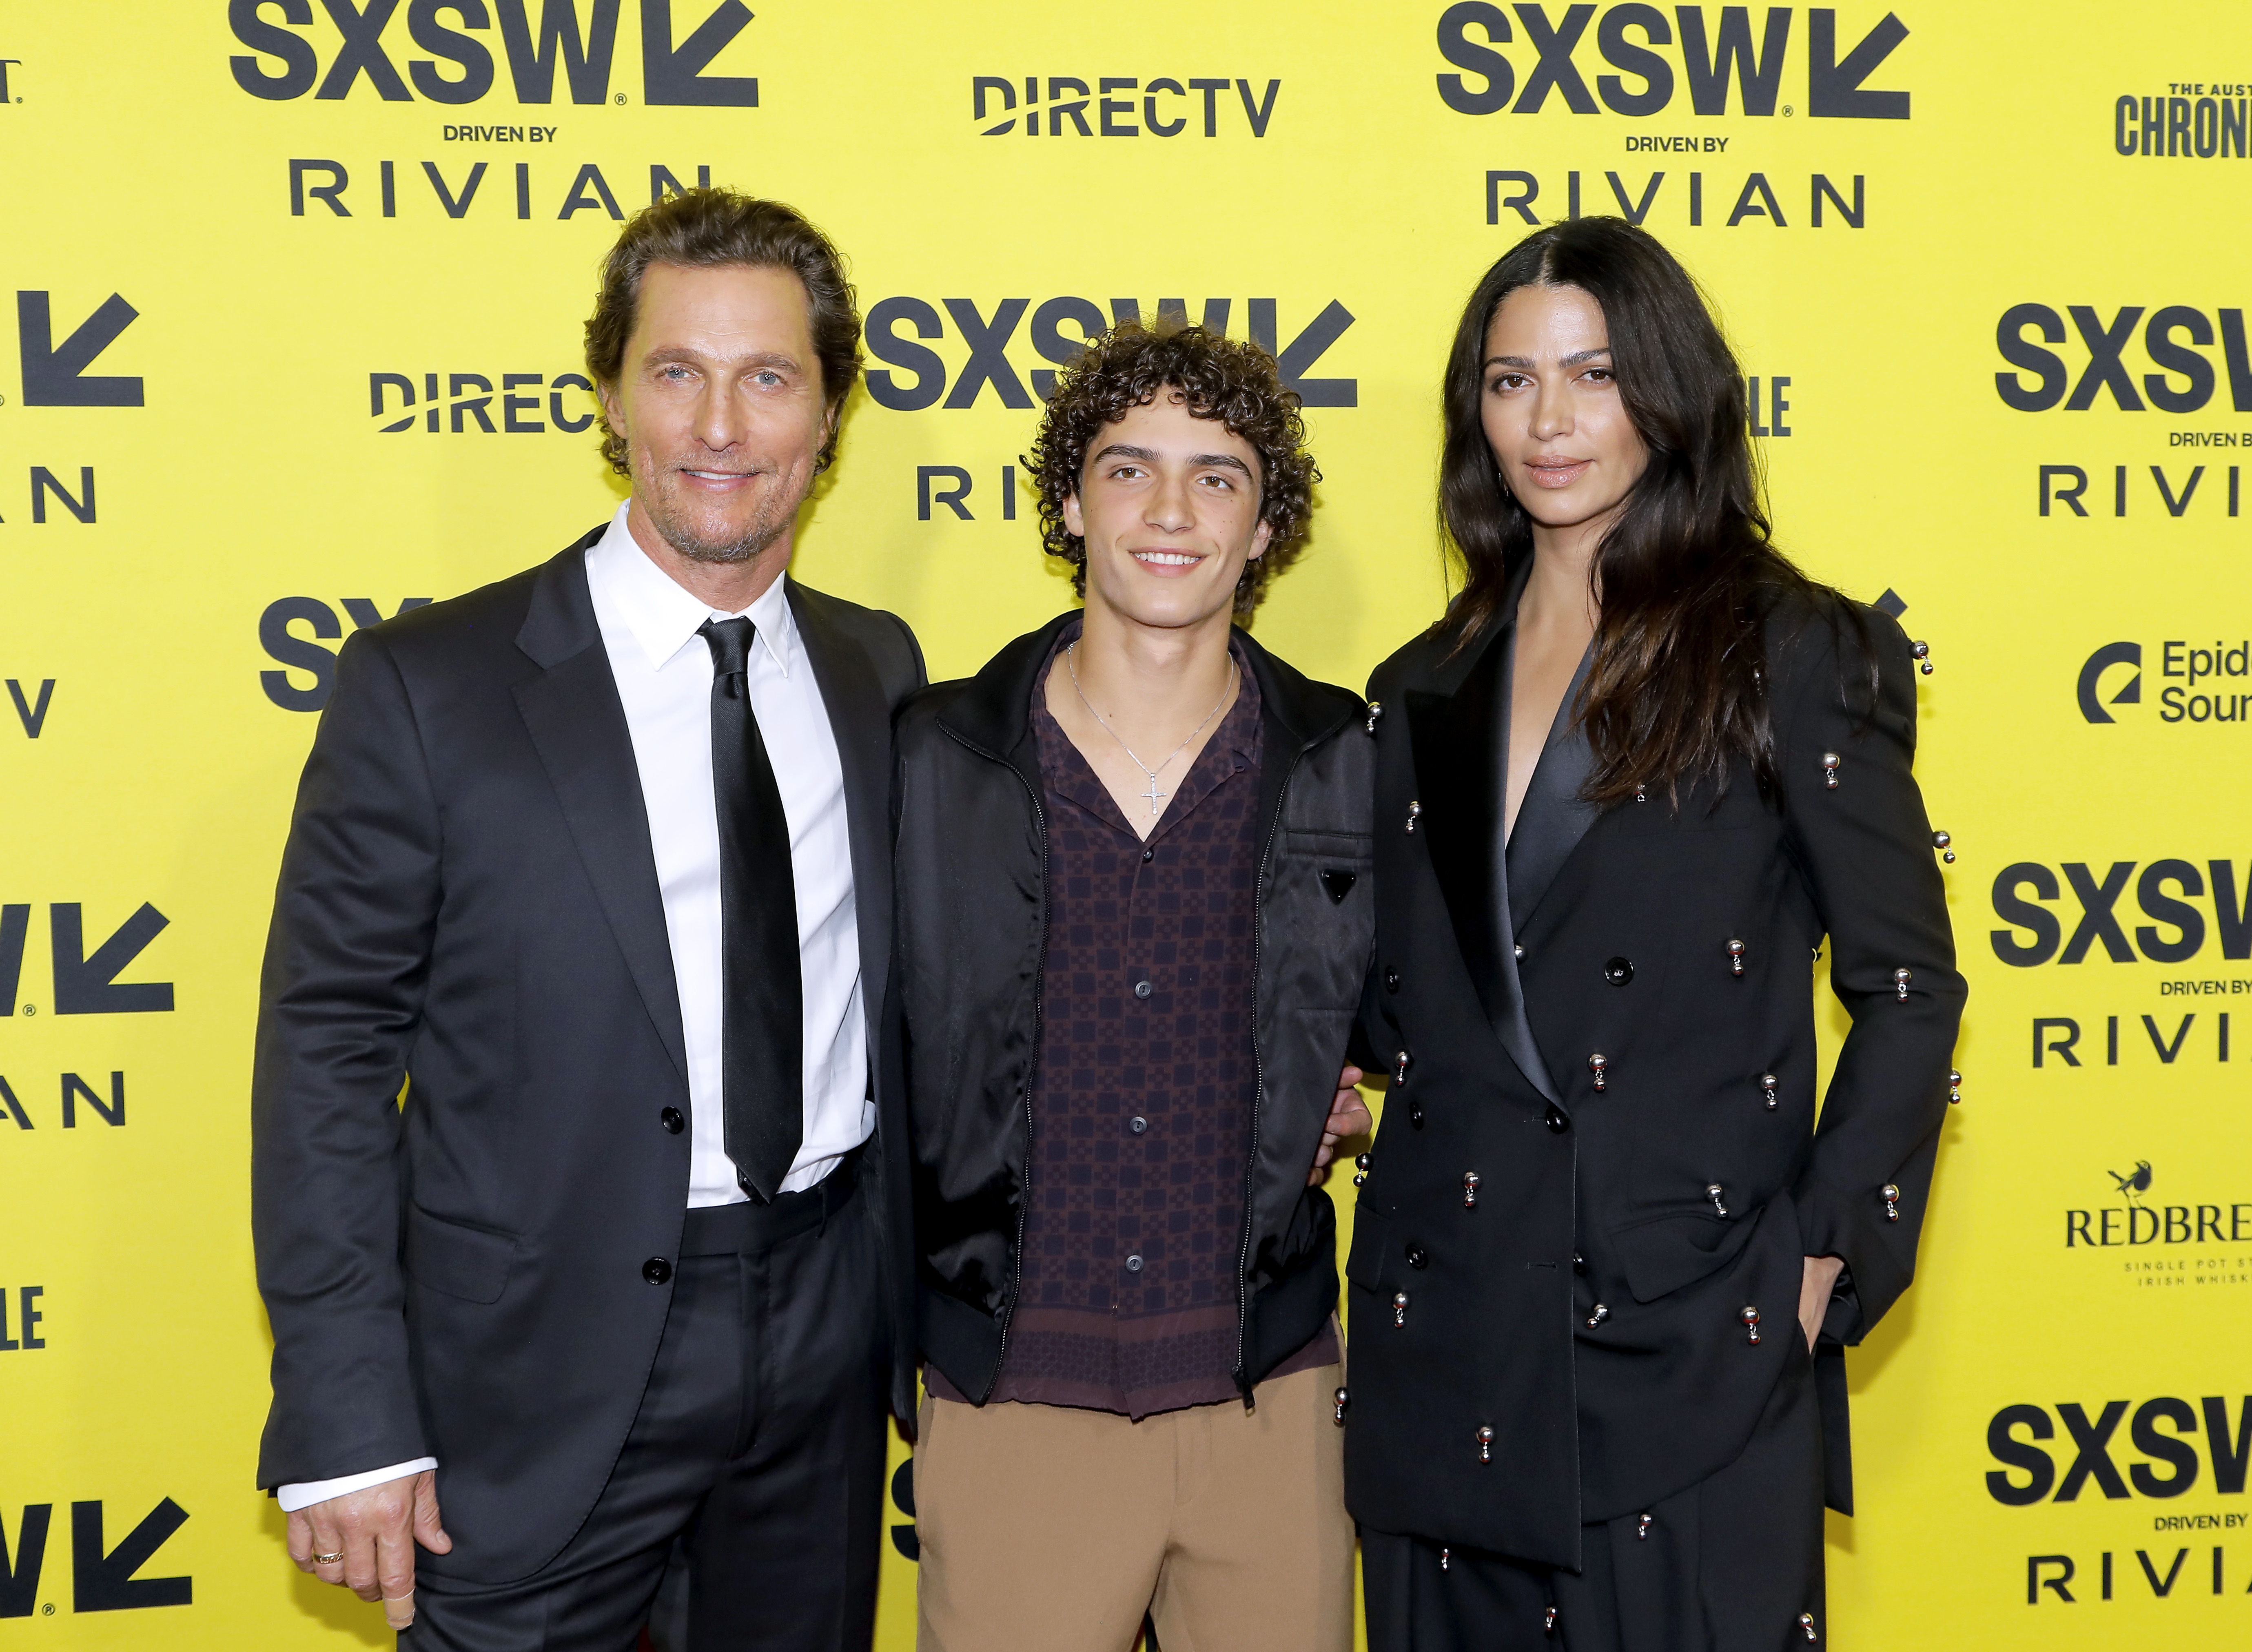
[(373, 1533), (1348, 1116), (1814, 1288)]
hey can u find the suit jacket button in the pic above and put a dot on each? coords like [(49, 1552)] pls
[(1557, 1121), (657, 1270), (1418, 1256), (1618, 971), (673, 1120)]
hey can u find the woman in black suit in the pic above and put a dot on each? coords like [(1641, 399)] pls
[(1605, 1263)]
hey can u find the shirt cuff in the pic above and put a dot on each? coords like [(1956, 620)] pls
[(305, 1494)]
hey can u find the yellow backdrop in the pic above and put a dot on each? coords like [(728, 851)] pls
[(298, 314)]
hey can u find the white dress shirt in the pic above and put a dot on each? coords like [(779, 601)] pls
[(663, 673)]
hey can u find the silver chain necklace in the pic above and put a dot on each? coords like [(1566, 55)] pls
[(1070, 664)]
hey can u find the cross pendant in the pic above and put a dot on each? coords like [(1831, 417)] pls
[(1153, 794)]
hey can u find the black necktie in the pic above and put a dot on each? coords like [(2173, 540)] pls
[(761, 1060)]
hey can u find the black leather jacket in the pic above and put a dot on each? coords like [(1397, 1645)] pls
[(972, 914)]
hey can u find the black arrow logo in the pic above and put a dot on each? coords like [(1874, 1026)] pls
[(674, 74), (54, 376), (19, 1584), (88, 986), (105, 1582)]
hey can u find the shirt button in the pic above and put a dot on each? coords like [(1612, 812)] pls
[(1148, 854), (657, 1270), (1134, 1264), (673, 1120), (1142, 989), (1137, 1124)]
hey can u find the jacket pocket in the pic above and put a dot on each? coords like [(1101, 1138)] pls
[(1372, 1248), (1351, 848), (1663, 1253), (467, 1262)]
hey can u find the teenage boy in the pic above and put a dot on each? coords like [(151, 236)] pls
[(1134, 917)]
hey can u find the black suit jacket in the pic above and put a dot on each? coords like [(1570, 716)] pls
[(469, 908), (1587, 1197)]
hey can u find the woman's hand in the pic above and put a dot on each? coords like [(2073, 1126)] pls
[(1814, 1288), (1348, 1116)]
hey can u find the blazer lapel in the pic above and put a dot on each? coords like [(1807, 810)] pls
[(1552, 818), (578, 727), (1460, 743), (861, 720)]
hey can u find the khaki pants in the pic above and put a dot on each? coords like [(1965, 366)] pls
[(1046, 1529)]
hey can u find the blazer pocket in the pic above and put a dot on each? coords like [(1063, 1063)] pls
[(1351, 849), (1372, 1248), (1663, 1253), (471, 1263)]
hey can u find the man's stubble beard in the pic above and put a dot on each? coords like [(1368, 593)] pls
[(768, 524)]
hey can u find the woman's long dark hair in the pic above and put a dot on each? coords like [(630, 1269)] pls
[(1686, 574)]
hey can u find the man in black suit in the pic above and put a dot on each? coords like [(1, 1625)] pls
[(591, 865)]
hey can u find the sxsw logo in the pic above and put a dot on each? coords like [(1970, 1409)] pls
[(1548, 57), (2164, 892), (1078, 108), (102, 1579), (926, 376), (2120, 665), (285, 646), (2173, 339), (55, 375), (459, 67), (469, 404), (2173, 1463), (86, 982)]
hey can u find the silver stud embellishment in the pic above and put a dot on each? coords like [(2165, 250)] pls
[(1922, 651), (1735, 957), (1375, 711), (1901, 978), (1414, 813), (1521, 953), (1469, 1190), (1766, 1090), (1359, 1168), (1642, 1524), (1598, 1316), (1399, 1309), (1446, 1559), (1954, 1089), (1806, 1619), (1599, 1068), (1718, 1196), (1890, 1195), (1641, 796), (1548, 1621), (1400, 1068), (1485, 1442), (1341, 1399), (1751, 1316), (1940, 841), (1831, 762)]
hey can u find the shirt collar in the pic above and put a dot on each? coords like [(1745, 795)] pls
[(663, 615)]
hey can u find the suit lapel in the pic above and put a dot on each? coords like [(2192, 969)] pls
[(860, 718), (1552, 818), (578, 727), (1460, 742)]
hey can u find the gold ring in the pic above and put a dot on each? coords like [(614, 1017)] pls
[(328, 1559)]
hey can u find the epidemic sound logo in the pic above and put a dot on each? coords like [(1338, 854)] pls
[(1069, 100), (2164, 892), (2106, 372), (2214, 126), (2178, 702), (468, 405), (927, 377), (1710, 58), (460, 68)]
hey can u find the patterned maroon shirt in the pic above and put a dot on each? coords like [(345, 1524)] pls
[(1142, 1104)]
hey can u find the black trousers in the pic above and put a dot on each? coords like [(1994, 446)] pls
[(1733, 1563), (751, 1483)]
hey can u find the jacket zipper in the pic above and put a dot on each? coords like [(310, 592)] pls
[(1032, 1072), (1258, 1089)]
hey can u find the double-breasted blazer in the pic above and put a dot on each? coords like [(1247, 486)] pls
[(1599, 1156), (469, 910)]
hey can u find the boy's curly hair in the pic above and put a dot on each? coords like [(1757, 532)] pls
[(1219, 379)]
